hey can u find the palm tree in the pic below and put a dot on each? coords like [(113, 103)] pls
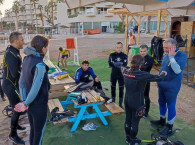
[(1, 2), (48, 17), (1, 20), (34, 5), (8, 14), (22, 10), (15, 9), (40, 15), (52, 5)]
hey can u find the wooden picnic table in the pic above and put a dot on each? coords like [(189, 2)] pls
[(83, 114)]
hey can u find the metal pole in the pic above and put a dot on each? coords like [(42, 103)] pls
[(187, 56)]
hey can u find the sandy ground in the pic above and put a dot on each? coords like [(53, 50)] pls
[(99, 46)]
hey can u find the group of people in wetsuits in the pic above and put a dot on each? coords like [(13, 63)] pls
[(27, 87)]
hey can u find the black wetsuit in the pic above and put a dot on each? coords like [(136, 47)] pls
[(12, 68), (116, 74), (149, 61), (134, 97)]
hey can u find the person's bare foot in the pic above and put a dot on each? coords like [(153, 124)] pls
[(63, 69)]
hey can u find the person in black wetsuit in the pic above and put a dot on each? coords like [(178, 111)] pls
[(34, 86), (83, 73), (116, 60), (147, 66), (135, 81), (12, 68)]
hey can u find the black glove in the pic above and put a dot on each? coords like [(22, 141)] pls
[(118, 64)]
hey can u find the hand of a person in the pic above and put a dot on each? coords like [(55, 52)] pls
[(164, 72), (20, 107), (96, 79), (172, 51)]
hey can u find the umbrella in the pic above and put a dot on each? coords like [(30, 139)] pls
[(47, 26)]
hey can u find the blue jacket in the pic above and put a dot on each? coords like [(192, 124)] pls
[(83, 76), (34, 81), (172, 77)]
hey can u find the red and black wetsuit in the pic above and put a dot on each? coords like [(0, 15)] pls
[(134, 97)]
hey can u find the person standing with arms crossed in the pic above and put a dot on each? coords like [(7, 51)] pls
[(65, 54), (147, 66), (116, 60), (12, 68)]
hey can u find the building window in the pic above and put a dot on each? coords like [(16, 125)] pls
[(90, 10)]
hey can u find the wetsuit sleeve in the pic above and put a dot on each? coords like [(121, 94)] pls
[(178, 66), (149, 77), (22, 88), (110, 61), (155, 78), (78, 74), (92, 73), (37, 82), (12, 64), (148, 65), (125, 60)]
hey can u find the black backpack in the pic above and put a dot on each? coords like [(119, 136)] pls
[(157, 48)]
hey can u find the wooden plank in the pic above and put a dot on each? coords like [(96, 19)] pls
[(121, 19), (95, 96), (158, 24), (166, 26), (138, 37), (58, 104), (126, 33), (51, 107), (114, 108), (89, 97)]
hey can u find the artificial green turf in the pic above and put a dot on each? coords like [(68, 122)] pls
[(113, 134)]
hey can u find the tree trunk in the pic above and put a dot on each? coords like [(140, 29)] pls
[(149, 18), (52, 21), (16, 22)]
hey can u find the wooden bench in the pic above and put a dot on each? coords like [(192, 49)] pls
[(114, 108), (56, 103)]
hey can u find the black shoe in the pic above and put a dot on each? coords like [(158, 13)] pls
[(16, 140), (2, 98), (128, 140), (167, 130), (162, 121), (135, 141)]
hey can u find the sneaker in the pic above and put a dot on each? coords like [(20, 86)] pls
[(109, 101), (135, 141), (16, 140), (90, 126)]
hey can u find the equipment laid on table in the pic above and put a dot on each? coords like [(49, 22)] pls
[(62, 76), (79, 87), (57, 116)]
